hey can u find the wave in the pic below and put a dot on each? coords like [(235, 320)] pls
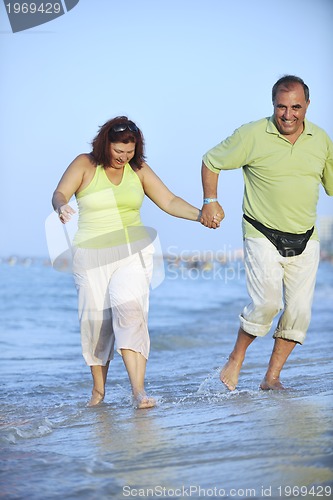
[(13, 432)]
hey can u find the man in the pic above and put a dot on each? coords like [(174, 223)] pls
[(284, 158)]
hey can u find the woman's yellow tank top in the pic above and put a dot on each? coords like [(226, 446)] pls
[(106, 210)]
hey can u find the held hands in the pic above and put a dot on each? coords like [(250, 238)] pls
[(212, 214), (65, 213)]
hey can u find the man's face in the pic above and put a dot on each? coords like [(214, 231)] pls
[(289, 110)]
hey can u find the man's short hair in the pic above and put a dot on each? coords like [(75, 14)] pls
[(288, 81)]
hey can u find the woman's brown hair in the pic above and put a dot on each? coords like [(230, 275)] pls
[(119, 129)]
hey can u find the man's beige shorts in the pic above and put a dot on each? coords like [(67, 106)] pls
[(278, 283)]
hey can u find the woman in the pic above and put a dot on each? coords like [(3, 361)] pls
[(112, 261)]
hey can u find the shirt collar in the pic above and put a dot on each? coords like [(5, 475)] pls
[(271, 127)]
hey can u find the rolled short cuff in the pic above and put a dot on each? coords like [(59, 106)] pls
[(295, 335), (254, 328)]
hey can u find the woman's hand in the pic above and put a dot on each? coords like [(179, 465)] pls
[(65, 213), (211, 215)]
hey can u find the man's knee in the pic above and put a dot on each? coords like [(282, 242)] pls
[(269, 309), (263, 312), (298, 313), (294, 323)]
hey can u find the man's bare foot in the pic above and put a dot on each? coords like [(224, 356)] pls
[(96, 398), (143, 401), (230, 373), (273, 384)]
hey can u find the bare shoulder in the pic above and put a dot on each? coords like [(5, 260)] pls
[(145, 172), (152, 184), (83, 161), (148, 178), (77, 175), (83, 166)]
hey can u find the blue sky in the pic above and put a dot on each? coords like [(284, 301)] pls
[(188, 72)]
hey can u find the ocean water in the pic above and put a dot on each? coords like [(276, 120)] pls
[(201, 441)]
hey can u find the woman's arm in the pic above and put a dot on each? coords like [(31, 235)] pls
[(157, 191), (69, 184)]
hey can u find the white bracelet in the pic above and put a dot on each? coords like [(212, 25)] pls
[(209, 200)]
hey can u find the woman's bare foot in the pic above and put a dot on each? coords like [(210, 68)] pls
[(96, 398), (273, 384), (230, 373), (142, 401)]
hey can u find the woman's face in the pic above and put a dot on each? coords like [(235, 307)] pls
[(121, 153)]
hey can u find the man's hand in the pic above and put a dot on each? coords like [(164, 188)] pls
[(212, 215)]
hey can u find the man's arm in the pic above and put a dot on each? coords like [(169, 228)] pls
[(209, 185)]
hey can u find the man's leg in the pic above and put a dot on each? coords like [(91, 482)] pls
[(299, 283), (281, 351), (230, 372), (264, 276)]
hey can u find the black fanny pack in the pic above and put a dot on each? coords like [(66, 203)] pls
[(287, 244)]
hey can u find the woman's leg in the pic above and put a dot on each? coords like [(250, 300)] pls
[(99, 375), (129, 298), (135, 365), (91, 275)]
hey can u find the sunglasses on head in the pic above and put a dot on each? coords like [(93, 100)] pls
[(121, 127)]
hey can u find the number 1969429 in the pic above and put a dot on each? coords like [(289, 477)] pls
[(34, 8)]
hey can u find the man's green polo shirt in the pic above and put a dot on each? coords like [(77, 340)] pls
[(281, 180)]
